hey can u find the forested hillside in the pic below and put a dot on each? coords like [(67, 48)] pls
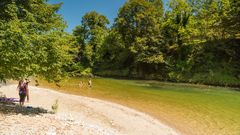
[(194, 41), (189, 41)]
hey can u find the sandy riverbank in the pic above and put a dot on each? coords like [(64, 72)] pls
[(77, 115)]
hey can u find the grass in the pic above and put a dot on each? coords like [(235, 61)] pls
[(191, 109), (217, 78)]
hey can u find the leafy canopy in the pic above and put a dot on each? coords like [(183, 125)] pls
[(90, 37), (32, 41)]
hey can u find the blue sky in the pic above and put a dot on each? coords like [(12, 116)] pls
[(73, 10)]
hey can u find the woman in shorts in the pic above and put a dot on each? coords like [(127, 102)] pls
[(22, 89)]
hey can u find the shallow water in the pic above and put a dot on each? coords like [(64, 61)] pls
[(191, 109)]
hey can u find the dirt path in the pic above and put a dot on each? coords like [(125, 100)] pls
[(77, 115)]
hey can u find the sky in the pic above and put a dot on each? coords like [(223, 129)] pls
[(73, 10)]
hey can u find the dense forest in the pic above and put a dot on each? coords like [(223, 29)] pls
[(195, 41), (189, 41)]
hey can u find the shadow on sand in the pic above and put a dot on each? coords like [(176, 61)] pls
[(13, 108)]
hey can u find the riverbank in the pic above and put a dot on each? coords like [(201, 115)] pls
[(188, 108), (77, 115)]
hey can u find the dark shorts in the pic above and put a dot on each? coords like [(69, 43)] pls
[(22, 96)]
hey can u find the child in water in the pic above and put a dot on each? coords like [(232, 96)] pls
[(90, 83)]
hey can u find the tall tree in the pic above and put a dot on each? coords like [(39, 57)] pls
[(177, 31), (32, 41), (90, 35), (176, 22), (113, 52), (138, 23), (213, 18)]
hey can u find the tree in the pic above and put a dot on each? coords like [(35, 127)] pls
[(32, 41), (139, 25), (177, 30), (113, 52), (159, 6), (176, 25), (90, 36), (214, 18), (231, 19)]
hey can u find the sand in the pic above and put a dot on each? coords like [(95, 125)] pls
[(76, 115)]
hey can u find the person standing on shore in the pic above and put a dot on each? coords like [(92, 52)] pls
[(23, 91)]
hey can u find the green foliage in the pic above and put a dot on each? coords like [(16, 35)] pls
[(231, 19), (113, 52), (86, 72), (139, 24), (90, 37), (32, 41), (176, 28), (220, 57), (192, 41)]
